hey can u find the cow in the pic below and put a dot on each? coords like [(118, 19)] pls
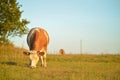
[(61, 51), (37, 41)]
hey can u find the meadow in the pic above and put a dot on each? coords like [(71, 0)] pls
[(14, 65)]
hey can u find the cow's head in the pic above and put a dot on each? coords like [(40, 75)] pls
[(34, 57)]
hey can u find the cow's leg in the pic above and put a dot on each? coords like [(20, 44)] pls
[(44, 58), (42, 63)]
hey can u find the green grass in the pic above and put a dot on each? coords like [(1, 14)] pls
[(14, 66)]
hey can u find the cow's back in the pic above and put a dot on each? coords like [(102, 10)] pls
[(37, 39)]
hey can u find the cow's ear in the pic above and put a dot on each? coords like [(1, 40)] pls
[(40, 53), (26, 52)]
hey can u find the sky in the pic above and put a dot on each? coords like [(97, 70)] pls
[(94, 24)]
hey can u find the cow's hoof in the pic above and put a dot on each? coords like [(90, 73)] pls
[(33, 67)]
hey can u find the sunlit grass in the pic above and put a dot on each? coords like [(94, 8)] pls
[(14, 66)]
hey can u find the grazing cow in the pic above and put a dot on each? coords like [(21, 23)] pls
[(61, 51), (37, 40)]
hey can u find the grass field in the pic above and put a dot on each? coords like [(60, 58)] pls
[(14, 66)]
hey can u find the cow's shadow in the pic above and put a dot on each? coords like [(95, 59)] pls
[(9, 63)]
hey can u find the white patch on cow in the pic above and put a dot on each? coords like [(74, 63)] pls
[(34, 58), (46, 35)]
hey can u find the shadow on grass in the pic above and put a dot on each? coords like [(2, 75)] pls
[(8, 63)]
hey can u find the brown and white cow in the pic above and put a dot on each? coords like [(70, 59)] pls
[(61, 51), (37, 40)]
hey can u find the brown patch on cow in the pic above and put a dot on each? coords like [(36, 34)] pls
[(40, 53)]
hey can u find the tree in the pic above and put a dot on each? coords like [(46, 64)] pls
[(11, 23)]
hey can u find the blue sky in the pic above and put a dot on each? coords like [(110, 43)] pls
[(95, 22)]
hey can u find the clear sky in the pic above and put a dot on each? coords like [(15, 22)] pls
[(95, 22)]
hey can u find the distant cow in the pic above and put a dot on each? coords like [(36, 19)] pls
[(61, 51), (37, 40)]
